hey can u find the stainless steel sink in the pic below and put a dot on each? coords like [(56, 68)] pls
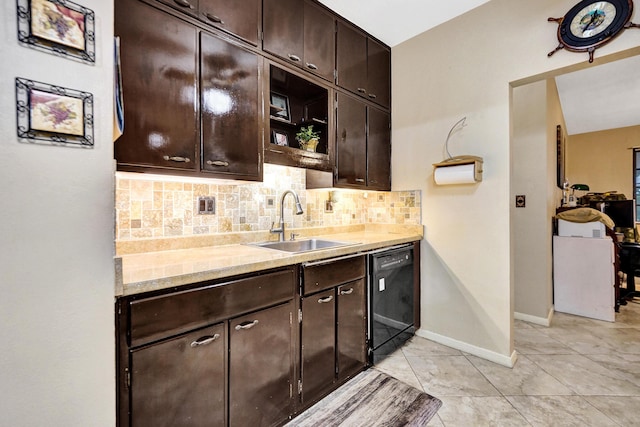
[(302, 245)]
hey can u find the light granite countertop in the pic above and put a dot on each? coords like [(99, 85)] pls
[(150, 271)]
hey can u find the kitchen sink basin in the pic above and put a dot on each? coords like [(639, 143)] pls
[(303, 245)]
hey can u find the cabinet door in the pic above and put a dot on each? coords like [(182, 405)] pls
[(318, 345), (239, 17), (261, 367), (187, 6), (378, 150), (159, 62), (283, 30), (230, 109), (378, 73), (351, 142), (180, 382), (319, 40), (351, 59), (352, 329)]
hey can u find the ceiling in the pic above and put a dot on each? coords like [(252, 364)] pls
[(597, 98), (602, 97), (393, 22)]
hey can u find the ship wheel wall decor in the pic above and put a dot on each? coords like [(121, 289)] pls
[(591, 24)]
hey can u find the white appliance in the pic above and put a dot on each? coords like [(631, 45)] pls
[(594, 229), (583, 277)]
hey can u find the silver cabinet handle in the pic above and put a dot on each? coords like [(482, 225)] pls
[(183, 3), (177, 159), (325, 299), (372, 96), (246, 325), (347, 292), (311, 66), (293, 57), (205, 340), (359, 180), (362, 90), (276, 151), (213, 18), (217, 163)]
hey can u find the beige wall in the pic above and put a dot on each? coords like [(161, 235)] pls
[(466, 67), (57, 363), (603, 159), (533, 161)]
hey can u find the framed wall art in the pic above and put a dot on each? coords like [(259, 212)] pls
[(280, 107), (280, 138), (58, 26), (53, 114)]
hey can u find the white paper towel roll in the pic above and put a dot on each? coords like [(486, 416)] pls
[(459, 174)]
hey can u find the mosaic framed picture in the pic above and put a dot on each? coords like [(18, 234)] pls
[(58, 26), (53, 114)]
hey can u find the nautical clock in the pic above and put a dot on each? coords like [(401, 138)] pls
[(591, 24)]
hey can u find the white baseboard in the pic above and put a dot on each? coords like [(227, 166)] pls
[(535, 319), (491, 356)]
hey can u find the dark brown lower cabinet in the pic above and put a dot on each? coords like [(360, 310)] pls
[(246, 351), (318, 345), (180, 381), (334, 329), (351, 329), (213, 354), (260, 367)]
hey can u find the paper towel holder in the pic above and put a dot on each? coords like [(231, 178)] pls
[(458, 163)]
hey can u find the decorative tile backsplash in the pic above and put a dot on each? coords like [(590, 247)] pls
[(158, 207)]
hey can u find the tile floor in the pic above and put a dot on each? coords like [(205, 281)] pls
[(577, 372)]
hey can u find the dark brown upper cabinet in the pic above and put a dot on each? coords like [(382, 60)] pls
[(159, 67), (378, 149), (238, 17), (175, 122), (351, 142), (302, 33), (201, 80), (294, 103), (187, 6), (378, 73), (363, 145), (363, 65), (230, 109)]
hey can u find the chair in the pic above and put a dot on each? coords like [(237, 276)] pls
[(629, 254)]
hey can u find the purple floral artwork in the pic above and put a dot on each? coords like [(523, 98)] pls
[(57, 23), (56, 113)]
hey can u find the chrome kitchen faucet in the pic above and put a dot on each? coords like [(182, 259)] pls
[(299, 211)]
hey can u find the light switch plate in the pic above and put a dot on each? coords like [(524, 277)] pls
[(206, 205)]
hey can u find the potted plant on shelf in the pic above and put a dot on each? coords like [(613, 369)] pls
[(308, 138)]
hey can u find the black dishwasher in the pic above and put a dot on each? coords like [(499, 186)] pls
[(391, 293)]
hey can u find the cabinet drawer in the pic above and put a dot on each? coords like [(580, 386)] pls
[(320, 276), (168, 315)]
